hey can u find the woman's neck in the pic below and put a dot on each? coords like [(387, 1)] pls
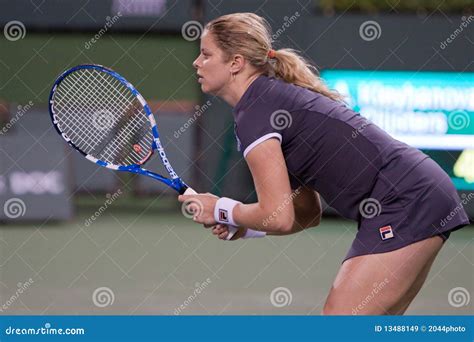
[(236, 89)]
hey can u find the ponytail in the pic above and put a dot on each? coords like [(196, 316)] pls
[(250, 35), (289, 66)]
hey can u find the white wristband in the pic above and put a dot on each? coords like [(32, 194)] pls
[(223, 211), (250, 234)]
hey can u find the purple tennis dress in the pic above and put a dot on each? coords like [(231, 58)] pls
[(396, 193)]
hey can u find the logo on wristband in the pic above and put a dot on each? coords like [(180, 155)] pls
[(223, 215)]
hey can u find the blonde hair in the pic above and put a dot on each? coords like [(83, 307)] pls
[(249, 35)]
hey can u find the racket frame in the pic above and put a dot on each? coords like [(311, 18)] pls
[(175, 182)]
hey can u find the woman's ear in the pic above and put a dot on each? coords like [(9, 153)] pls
[(237, 64)]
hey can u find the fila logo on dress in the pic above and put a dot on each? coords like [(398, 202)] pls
[(386, 232)]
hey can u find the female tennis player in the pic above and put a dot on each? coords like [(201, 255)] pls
[(299, 140)]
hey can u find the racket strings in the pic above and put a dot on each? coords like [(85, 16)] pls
[(101, 110), (102, 117), (78, 121)]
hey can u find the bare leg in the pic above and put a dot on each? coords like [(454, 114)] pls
[(384, 283)]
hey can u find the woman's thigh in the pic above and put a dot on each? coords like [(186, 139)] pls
[(375, 284)]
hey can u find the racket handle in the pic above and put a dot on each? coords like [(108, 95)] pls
[(232, 229)]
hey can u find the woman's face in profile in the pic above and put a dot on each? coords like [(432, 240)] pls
[(213, 71)]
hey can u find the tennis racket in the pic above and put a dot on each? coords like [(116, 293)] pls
[(103, 117)]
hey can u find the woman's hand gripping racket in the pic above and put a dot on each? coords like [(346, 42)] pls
[(105, 118)]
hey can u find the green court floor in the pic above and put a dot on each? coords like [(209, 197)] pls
[(132, 261)]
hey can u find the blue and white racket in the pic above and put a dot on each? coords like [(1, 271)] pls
[(101, 115)]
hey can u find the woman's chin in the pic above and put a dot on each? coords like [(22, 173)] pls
[(206, 90)]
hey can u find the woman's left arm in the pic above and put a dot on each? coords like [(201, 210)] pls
[(279, 210), (274, 212)]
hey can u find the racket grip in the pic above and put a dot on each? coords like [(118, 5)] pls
[(232, 229)]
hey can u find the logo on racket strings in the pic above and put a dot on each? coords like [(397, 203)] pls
[(137, 148)]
